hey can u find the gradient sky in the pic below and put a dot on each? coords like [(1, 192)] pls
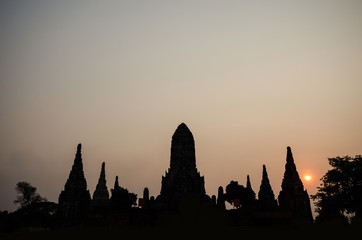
[(249, 78)]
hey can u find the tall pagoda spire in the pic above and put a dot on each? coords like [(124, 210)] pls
[(248, 184), (183, 148), (291, 178), (182, 177), (293, 196), (116, 184), (101, 195), (250, 194), (266, 197), (75, 198)]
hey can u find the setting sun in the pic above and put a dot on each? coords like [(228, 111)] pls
[(307, 177)]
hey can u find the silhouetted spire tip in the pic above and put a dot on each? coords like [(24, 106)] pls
[(182, 126), (116, 184), (181, 130), (103, 168), (248, 184), (78, 155), (265, 174), (289, 155)]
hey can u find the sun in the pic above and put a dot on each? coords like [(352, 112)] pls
[(307, 177)]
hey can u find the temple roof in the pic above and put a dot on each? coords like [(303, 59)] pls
[(183, 148), (182, 130)]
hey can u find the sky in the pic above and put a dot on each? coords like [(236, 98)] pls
[(249, 78)]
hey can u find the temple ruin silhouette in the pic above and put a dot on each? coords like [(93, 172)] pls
[(184, 180), (182, 176), (75, 199)]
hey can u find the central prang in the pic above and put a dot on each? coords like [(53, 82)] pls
[(182, 177), (183, 148)]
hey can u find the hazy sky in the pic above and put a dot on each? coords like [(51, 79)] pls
[(249, 78)]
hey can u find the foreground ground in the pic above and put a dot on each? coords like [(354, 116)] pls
[(330, 230)]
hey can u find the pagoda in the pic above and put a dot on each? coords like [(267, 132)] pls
[(74, 200), (266, 199), (293, 197), (182, 177), (101, 195)]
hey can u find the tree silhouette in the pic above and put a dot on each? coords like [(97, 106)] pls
[(245, 196), (341, 188), (28, 194)]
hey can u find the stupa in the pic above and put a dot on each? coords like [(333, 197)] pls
[(293, 197), (182, 177), (101, 195), (74, 200), (266, 198)]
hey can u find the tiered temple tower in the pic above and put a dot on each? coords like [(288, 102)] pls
[(266, 197), (293, 197), (75, 199), (101, 194), (182, 177)]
